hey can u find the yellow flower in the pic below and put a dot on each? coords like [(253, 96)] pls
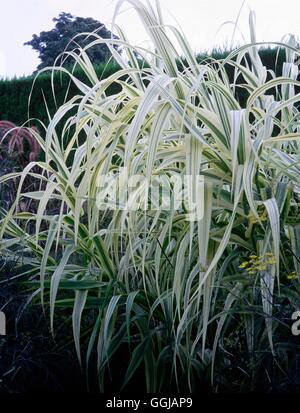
[(293, 275), (255, 263)]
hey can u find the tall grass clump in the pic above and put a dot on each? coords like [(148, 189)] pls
[(177, 296)]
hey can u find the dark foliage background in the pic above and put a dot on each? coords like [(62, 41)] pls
[(14, 94)]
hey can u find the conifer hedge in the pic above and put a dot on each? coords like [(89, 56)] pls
[(14, 94)]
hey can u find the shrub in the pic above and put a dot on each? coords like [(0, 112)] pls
[(18, 141), (15, 104)]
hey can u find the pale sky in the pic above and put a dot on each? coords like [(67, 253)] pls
[(201, 21)]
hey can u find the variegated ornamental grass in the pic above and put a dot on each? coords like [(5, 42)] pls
[(168, 288)]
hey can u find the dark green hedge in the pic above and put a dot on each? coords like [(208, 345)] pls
[(14, 94)]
